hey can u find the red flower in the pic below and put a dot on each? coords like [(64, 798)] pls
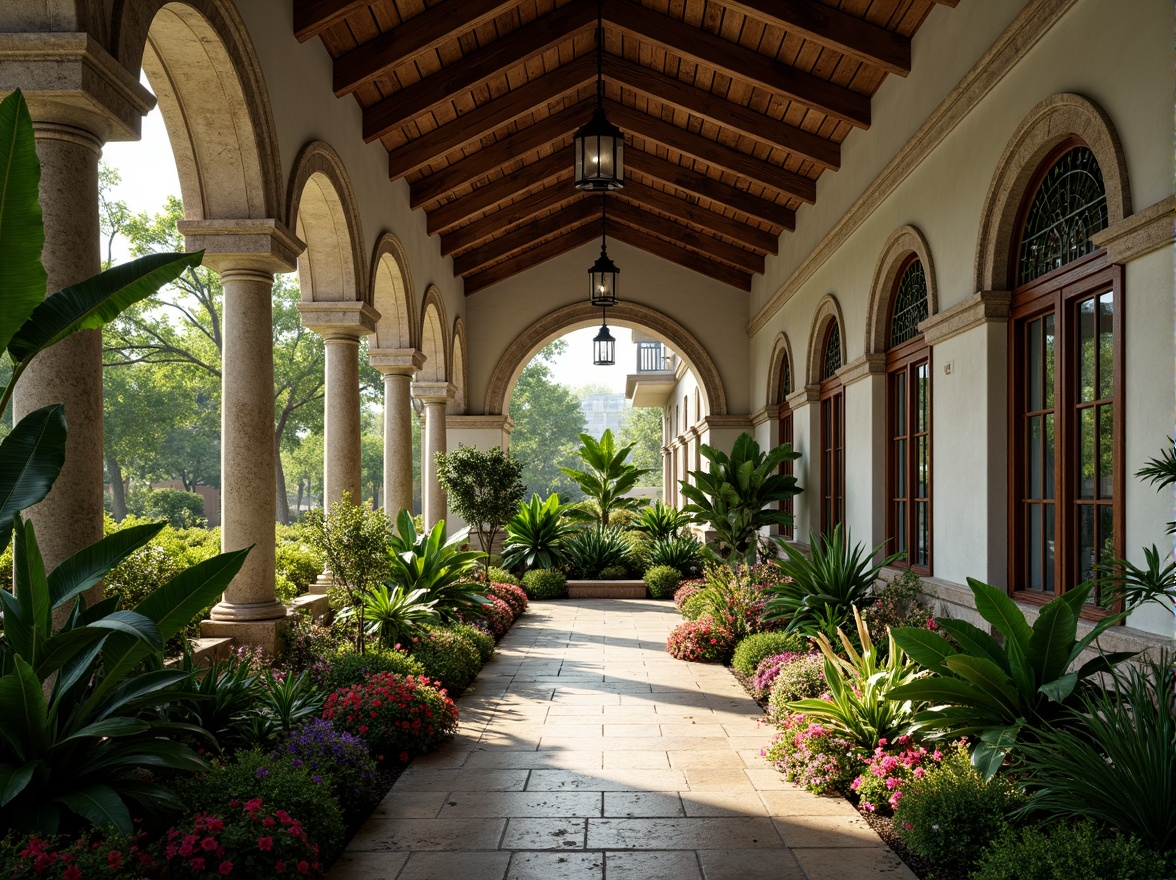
[(265, 843), (114, 860), (73, 872), (226, 868)]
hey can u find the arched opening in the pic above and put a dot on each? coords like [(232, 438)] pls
[(826, 358), (458, 369)]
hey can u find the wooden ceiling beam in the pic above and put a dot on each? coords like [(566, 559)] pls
[(554, 128), (693, 215), (834, 29), (575, 215), (704, 149), (313, 17), (646, 221), (553, 167), (561, 244), (475, 125), (773, 132), (745, 65), (680, 256), (516, 48), (708, 188), (465, 237)]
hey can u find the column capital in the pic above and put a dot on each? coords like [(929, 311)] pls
[(804, 396), (249, 245), (339, 320), (69, 79), (397, 361), (434, 392), (865, 366)]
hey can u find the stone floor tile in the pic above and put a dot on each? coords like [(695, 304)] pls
[(399, 804), (826, 831), (724, 779), (696, 834), (445, 865), (465, 780), (803, 803), (607, 780), (544, 833), (642, 804), (635, 760), (561, 709), (502, 759), (859, 864), (722, 803), (632, 729), (489, 804), (705, 759), (556, 866), (675, 864), (752, 864), (428, 834), (368, 866)]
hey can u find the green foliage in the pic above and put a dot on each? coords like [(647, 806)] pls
[(353, 668), (759, 646), (548, 421), (440, 567), (1067, 852), (536, 534), (641, 428), (447, 657), (994, 690), (297, 559), (660, 520), (695, 606), (952, 813), (501, 576), (1111, 758), (662, 581), (614, 573), (395, 614), (608, 476), (482, 642), (803, 678), (817, 595), (485, 488), (545, 583), (595, 549), (220, 698), (683, 552), (734, 497), (181, 510), (898, 603)]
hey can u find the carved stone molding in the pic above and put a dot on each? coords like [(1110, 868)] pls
[(903, 242), (259, 245), (864, 367), (765, 414), (804, 396), (828, 310), (986, 307), (1141, 233)]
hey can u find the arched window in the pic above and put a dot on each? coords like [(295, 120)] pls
[(1066, 371), (908, 420), (832, 431), (786, 467)]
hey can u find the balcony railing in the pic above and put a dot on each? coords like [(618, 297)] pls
[(653, 357)]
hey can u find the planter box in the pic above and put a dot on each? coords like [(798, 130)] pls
[(606, 589)]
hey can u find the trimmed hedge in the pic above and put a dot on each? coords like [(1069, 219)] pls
[(758, 646), (661, 581), (545, 583)]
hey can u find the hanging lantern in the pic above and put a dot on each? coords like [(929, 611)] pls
[(599, 145), (603, 276), (604, 347)]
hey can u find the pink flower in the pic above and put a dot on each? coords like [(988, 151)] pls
[(265, 843), (226, 868)]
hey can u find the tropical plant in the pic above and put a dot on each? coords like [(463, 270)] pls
[(734, 497), (536, 534), (595, 549), (996, 691), (683, 552), (219, 698), (439, 567), (545, 583), (660, 520), (395, 614), (1111, 758), (484, 488), (608, 476), (858, 707), (288, 700), (817, 595)]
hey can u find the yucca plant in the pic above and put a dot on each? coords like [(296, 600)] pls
[(536, 534), (395, 614), (683, 552), (608, 476), (597, 548), (660, 521), (438, 567)]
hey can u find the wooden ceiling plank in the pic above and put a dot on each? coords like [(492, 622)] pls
[(528, 259), (575, 215), (739, 62), (736, 257), (517, 47), (688, 212), (680, 256), (691, 181), (313, 17), (475, 233), (504, 151), (713, 153), (444, 217), (735, 117), (834, 29)]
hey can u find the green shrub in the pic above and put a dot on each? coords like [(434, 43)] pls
[(802, 679), (296, 559), (595, 549), (502, 576), (447, 657), (6, 569), (1067, 852), (352, 667), (757, 646), (614, 573), (661, 581), (545, 583), (482, 642), (182, 510), (952, 814), (695, 606), (308, 644)]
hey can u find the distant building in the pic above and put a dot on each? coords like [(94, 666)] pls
[(601, 412)]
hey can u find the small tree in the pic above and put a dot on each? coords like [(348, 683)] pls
[(485, 489), (354, 539), (608, 476)]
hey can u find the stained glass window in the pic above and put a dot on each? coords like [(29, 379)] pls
[(910, 304), (832, 361), (1070, 206), (785, 379)]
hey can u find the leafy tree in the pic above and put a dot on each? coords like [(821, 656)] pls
[(485, 488), (641, 428), (548, 421), (608, 477)]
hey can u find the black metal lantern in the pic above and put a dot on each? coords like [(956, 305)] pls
[(604, 347), (599, 145), (603, 276)]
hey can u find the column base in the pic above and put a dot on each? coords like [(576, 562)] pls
[(247, 612), (264, 633)]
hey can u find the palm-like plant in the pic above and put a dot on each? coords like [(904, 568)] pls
[(660, 520), (395, 614), (595, 549), (535, 535), (608, 477), (437, 567), (683, 552), (734, 497)]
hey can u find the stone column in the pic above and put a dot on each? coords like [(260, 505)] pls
[(399, 366), (341, 324), (436, 396), (79, 98), (247, 254), (667, 477)]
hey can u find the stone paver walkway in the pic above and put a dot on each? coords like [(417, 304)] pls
[(586, 751)]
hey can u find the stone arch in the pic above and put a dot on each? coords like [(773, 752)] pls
[(458, 369), (781, 354), (324, 213), (208, 80), (1047, 125), (392, 295), (900, 246), (434, 338), (624, 314), (828, 311)]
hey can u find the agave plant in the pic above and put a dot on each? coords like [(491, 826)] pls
[(437, 567), (536, 534), (660, 521), (595, 549), (608, 477)]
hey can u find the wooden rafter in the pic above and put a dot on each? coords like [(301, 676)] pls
[(541, 254), (693, 215), (839, 31), (487, 227), (313, 17), (670, 90), (745, 65), (554, 167), (682, 257), (709, 246), (475, 125), (519, 46), (575, 215)]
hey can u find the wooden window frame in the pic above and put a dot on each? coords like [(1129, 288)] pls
[(901, 363), (832, 404), (786, 435)]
